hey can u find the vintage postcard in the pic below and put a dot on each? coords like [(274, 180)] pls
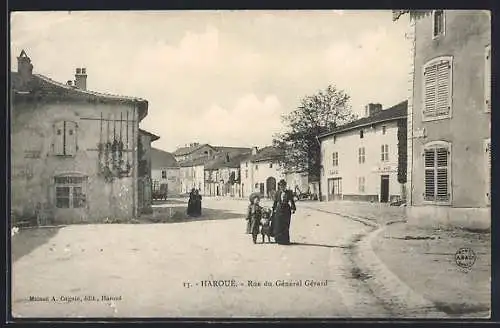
[(250, 164)]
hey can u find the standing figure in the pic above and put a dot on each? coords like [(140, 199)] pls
[(283, 208), (190, 209), (197, 203), (254, 216)]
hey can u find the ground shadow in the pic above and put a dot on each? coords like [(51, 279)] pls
[(177, 214), (317, 245), (27, 240)]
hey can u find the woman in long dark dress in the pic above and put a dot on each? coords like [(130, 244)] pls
[(197, 203), (283, 208), (191, 202)]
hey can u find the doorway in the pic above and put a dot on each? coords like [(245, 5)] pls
[(270, 186), (335, 189), (384, 188)]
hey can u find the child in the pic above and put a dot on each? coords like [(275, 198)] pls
[(254, 216)]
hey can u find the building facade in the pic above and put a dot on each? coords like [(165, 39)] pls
[(165, 171), (261, 171), (194, 151), (144, 179), (73, 151), (449, 121), (361, 160)]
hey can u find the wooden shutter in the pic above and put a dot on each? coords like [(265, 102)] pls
[(442, 176), (437, 89), (70, 138), (430, 184), (487, 79), (59, 138)]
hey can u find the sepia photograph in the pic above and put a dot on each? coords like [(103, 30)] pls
[(252, 164)]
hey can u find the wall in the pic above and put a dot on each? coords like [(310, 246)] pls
[(263, 172), (300, 180), (145, 199), (197, 153), (246, 184), (172, 180), (467, 33), (32, 179), (349, 169)]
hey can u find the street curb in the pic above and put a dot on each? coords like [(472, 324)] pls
[(403, 300)]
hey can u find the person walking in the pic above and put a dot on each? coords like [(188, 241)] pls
[(254, 216), (283, 208), (197, 203), (191, 202)]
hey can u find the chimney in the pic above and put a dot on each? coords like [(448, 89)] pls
[(372, 109), (81, 78), (25, 69), (254, 150)]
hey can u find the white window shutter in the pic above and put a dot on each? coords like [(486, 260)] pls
[(430, 74), (59, 138), (430, 184), (443, 88), (442, 176), (70, 138)]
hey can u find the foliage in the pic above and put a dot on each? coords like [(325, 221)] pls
[(402, 151), (316, 114)]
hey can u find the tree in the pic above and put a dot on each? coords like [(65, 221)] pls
[(316, 114)]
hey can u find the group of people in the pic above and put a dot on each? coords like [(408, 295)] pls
[(194, 203), (283, 208)]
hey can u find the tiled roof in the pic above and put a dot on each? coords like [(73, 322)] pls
[(188, 150), (268, 153), (161, 159), (45, 85), (395, 112), (220, 160), (194, 162), (232, 149)]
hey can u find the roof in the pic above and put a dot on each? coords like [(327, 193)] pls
[(194, 162), (188, 150), (43, 85), (154, 137), (220, 160), (268, 153), (393, 113), (232, 149), (162, 159)]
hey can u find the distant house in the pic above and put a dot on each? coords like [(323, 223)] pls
[(361, 159), (223, 175), (449, 117), (165, 171), (261, 171), (194, 150), (192, 175), (74, 152), (144, 154)]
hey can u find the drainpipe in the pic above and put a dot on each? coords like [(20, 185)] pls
[(319, 181)]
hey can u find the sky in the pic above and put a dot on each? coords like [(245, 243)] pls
[(221, 77)]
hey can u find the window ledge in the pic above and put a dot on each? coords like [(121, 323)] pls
[(435, 118), (437, 203)]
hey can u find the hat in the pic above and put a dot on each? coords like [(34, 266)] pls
[(282, 182), (253, 196)]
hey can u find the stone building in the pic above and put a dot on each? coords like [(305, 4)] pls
[(366, 159), (165, 171), (449, 117), (73, 151), (144, 181)]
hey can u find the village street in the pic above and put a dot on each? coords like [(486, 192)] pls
[(157, 270)]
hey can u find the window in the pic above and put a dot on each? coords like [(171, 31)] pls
[(437, 23), (246, 164), (487, 79), (437, 88), (70, 191), (256, 167), (65, 138), (383, 129), (335, 159), (361, 134), (334, 139), (361, 184), (437, 175), (361, 155), (270, 165), (163, 174), (488, 171), (246, 174), (384, 155)]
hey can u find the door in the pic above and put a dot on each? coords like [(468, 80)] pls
[(330, 189), (242, 190), (337, 188), (384, 188)]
